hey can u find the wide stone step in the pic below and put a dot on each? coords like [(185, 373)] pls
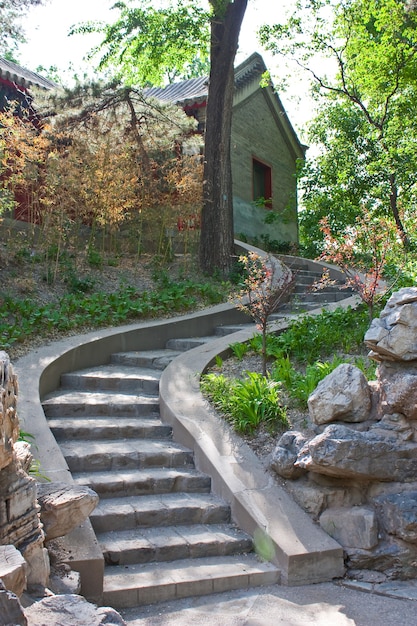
[(156, 359), (145, 545), (85, 403), (159, 510), (135, 585), (96, 428), (145, 482), (183, 344), (118, 454), (113, 378)]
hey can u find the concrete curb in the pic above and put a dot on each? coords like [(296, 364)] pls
[(299, 547)]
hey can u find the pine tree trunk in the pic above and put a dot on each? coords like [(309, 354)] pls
[(216, 242)]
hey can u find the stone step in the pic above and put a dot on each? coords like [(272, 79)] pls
[(294, 308), (156, 359), (327, 289), (305, 279), (144, 482), (302, 273), (117, 454), (84, 403), (96, 428), (321, 296), (113, 378), (135, 585), (144, 545), (223, 331), (183, 344), (170, 509)]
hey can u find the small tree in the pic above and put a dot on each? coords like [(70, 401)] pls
[(362, 252), (267, 284)]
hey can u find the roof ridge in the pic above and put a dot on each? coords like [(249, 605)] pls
[(23, 77)]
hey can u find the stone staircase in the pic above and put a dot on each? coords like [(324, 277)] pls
[(307, 295), (163, 534)]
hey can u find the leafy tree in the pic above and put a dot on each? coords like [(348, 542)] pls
[(11, 32), (147, 45), (367, 120)]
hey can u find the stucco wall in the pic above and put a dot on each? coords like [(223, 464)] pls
[(256, 133)]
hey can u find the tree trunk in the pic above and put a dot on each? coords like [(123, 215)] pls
[(394, 210), (216, 242)]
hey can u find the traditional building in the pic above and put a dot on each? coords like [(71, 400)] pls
[(265, 150), (264, 146), (16, 81)]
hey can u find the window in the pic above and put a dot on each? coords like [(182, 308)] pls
[(262, 183)]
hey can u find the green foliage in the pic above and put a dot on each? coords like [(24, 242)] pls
[(246, 402), (239, 349), (312, 337), (301, 384), (94, 258), (366, 125), (148, 44), (21, 319)]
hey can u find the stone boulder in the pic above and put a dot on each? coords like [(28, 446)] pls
[(398, 514), (64, 507), (11, 611), (351, 527), (392, 337), (12, 570), (71, 610), (286, 453), (342, 396), (398, 389), (344, 453)]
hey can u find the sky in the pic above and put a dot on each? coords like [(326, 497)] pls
[(48, 43)]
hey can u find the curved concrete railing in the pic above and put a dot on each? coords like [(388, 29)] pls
[(217, 449)]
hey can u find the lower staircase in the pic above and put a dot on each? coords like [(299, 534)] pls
[(163, 534)]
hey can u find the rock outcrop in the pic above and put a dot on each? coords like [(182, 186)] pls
[(358, 475), (19, 510), (31, 514)]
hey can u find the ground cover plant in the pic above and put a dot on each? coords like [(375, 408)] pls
[(298, 359), (43, 300)]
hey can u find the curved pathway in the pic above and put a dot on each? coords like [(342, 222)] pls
[(172, 489)]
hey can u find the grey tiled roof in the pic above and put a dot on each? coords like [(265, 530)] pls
[(22, 77), (193, 90)]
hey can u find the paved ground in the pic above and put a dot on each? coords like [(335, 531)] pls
[(325, 604)]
